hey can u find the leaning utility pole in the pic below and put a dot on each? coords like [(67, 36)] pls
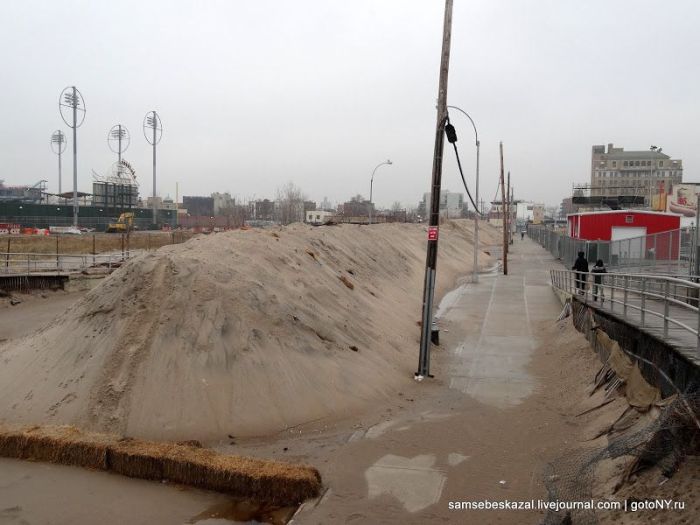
[(503, 209), (433, 225)]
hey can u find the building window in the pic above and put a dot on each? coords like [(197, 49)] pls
[(661, 163), (624, 163), (629, 219), (614, 164)]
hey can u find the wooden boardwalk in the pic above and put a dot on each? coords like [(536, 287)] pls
[(653, 322)]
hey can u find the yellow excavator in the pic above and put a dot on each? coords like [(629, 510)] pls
[(124, 224)]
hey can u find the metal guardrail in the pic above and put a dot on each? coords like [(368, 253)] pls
[(672, 300), (32, 263)]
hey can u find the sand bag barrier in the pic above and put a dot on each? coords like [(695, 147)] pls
[(251, 478)]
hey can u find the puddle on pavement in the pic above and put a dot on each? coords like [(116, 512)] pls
[(243, 511), (412, 481), (449, 300)]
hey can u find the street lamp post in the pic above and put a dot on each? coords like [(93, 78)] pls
[(475, 269), (371, 183)]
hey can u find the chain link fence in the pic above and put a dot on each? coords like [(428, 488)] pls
[(670, 252)]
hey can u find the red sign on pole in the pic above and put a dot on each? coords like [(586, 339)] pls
[(432, 233)]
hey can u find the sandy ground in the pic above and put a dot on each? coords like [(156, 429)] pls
[(509, 385), (36, 310), (243, 333), (441, 440)]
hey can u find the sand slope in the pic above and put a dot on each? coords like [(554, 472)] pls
[(242, 333)]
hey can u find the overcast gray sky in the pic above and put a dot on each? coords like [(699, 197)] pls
[(253, 94)]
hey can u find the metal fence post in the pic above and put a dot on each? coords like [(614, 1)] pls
[(612, 293), (624, 299), (666, 309), (643, 288), (698, 347)]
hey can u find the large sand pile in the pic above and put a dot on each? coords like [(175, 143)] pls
[(242, 333)]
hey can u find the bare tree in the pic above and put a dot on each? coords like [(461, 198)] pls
[(396, 206), (290, 203)]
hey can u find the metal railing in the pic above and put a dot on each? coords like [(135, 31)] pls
[(668, 252), (639, 298), (33, 263)]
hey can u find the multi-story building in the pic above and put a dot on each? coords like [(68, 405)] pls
[(567, 207), (224, 204), (496, 213), (616, 172), (451, 204), (203, 206)]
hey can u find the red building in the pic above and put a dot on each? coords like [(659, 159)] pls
[(648, 234), (615, 225)]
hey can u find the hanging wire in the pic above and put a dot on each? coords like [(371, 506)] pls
[(452, 138)]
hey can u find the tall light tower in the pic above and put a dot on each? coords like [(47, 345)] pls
[(153, 130), (72, 108), (118, 140), (58, 146)]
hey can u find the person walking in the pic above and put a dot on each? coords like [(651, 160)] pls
[(581, 268), (597, 272), (522, 235)]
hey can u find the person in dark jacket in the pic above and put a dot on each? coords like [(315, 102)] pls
[(581, 269), (597, 272)]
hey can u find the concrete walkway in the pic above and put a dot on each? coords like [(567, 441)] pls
[(490, 364), (465, 439)]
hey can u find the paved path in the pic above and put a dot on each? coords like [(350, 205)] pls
[(479, 432)]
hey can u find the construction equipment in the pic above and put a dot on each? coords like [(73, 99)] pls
[(124, 224)]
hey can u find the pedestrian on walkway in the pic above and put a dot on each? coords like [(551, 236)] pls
[(597, 272), (581, 269), (522, 235)]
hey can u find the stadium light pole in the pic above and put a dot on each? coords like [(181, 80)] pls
[(371, 183), (475, 270), (153, 131), (118, 140), (72, 108), (58, 145)]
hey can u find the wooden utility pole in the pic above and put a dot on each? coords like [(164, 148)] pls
[(508, 211), (503, 210), (510, 202), (434, 223)]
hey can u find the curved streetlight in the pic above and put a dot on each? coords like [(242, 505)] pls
[(475, 269), (371, 183)]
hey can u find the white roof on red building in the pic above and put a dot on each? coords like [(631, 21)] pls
[(627, 212)]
